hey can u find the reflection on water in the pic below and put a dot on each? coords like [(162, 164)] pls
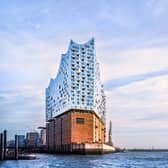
[(121, 160)]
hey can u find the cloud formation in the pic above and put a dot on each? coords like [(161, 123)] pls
[(136, 78), (131, 46)]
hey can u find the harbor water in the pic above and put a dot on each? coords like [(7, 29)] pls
[(116, 160)]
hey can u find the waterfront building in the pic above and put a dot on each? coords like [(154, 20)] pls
[(75, 100), (43, 136), (21, 141), (11, 143), (32, 139)]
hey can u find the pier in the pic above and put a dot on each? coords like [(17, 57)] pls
[(3, 144), (8, 154)]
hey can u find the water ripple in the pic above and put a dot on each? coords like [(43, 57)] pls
[(118, 160)]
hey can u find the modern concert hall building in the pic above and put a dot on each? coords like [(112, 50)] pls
[(75, 100)]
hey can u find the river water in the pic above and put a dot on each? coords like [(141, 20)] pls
[(121, 160)]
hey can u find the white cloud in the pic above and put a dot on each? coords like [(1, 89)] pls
[(131, 39), (123, 63), (139, 108)]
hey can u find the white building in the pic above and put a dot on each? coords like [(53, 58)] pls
[(77, 84)]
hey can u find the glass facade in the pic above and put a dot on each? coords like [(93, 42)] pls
[(77, 84)]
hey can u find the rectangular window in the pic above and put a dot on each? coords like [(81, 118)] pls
[(80, 120)]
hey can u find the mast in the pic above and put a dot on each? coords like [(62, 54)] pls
[(110, 142)]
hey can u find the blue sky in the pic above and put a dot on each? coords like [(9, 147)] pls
[(131, 46)]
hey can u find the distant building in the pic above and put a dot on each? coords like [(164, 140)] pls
[(75, 100), (43, 136), (11, 143), (32, 139), (21, 141)]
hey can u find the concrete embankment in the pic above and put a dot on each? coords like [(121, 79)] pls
[(85, 148)]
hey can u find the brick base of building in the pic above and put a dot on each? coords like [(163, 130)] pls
[(74, 127), (85, 148)]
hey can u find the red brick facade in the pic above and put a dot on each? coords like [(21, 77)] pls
[(75, 127)]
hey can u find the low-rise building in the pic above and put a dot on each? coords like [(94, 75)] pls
[(43, 136), (21, 141), (11, 144), (32, 139)]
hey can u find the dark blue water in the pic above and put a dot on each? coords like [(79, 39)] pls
[(122, 160)]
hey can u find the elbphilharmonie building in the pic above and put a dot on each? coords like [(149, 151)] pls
[(77, 84), (75, 99)]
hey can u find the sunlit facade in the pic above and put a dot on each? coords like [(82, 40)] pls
[(77, 84)]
